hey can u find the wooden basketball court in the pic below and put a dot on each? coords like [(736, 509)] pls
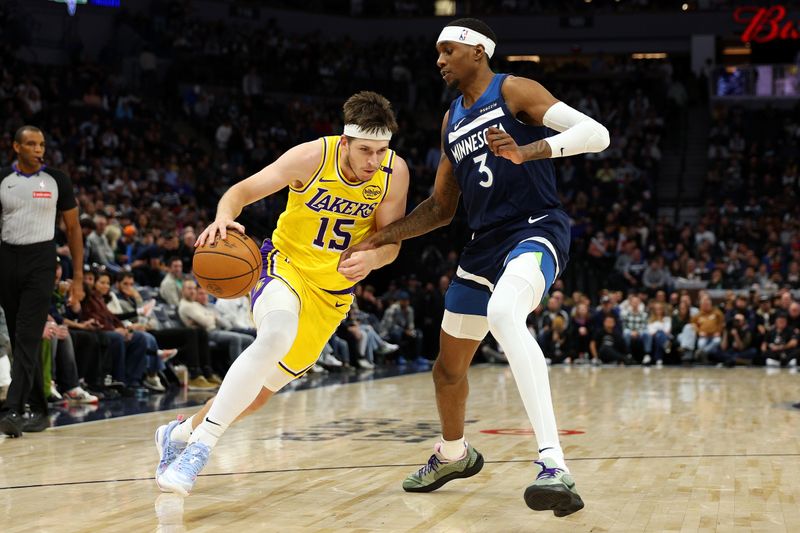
[(685, 449)]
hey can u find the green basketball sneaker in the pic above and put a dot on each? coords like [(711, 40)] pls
[(553, 490), (438, 472)]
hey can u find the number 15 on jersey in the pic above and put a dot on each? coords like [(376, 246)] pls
[(340, 241)]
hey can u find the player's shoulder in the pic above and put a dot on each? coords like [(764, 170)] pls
[(308, 154), (519, 84), (399, 165)]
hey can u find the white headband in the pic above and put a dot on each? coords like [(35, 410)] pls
[(354, 130), (460, 34)]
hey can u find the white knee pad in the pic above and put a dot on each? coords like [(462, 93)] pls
[(518, 292), (275, 296), (473, 327)]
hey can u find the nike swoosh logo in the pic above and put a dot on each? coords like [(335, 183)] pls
[(532, 220), (562, 152), (337, 304), (458, 124), (321, 180)]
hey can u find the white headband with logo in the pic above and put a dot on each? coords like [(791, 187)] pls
[(354, 130), (460, 34)]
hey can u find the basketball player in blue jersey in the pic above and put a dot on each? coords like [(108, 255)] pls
[(497, 146)]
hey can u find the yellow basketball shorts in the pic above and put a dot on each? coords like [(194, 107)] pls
[(321, 311)]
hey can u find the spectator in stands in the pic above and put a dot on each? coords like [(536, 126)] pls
[(398, 327), (98, 249), (607, 308), (128, 247), (186, 248), (196, 314), (656, 277), (552, 326), (708, 324), (794, 316), (608, 345), (780, 345), (225, 333), (64, 370), (579, 333), (741, 306), (171, 287), (128, 349), (659, 330), (736, 346), (236, 312), (634, 328), (764, 319)]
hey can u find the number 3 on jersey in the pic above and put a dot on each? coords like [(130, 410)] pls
[(483, 169), (339, 229)]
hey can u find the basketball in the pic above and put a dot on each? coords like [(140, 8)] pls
[(228, 268)]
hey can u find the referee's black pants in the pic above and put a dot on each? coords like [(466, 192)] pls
[(27, 279)]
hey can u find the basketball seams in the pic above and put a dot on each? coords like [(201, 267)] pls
[(251, 259), (245, 240)]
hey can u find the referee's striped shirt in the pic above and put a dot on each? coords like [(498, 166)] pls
[(29, 204)]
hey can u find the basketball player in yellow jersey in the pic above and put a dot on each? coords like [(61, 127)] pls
[(341, 189)]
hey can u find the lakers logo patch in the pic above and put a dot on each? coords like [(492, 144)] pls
[(372, 192)]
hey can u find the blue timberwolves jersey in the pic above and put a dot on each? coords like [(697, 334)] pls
[(494, 189), (507, 204)]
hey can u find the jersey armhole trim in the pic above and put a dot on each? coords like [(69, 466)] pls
[(317, 172), (388, 171)]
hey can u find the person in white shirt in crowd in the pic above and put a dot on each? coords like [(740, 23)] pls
[(236, 311), (171, 286), (195, 310), (98, 249), (634, 326), (659, 329)]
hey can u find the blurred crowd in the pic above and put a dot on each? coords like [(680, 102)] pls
[(151, 142)]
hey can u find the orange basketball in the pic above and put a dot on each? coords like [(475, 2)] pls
[(228, 268)]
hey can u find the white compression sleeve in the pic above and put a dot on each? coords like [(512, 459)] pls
[(580, 133), (517, 293), (276, 332)]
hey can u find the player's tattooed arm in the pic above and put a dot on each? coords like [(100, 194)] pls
[(356, 264), (433, 212)]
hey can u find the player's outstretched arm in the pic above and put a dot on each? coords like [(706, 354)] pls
[(531, 102), (357, 265), (294, 167), (435, 211)]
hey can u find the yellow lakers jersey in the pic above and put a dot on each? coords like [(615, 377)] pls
[(328, 215)]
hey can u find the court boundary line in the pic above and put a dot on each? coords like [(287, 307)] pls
[(213, 393), (404, 465)]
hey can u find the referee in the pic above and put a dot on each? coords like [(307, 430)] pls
[(30, 197)]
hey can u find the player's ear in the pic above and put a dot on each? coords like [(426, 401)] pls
[(478, 52)]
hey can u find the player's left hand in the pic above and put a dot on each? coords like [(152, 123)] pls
[(357, 266), (502, 145)]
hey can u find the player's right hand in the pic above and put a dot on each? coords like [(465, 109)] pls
[(218, 227)]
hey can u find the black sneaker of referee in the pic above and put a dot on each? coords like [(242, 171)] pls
[(35, 422), (11, 424)]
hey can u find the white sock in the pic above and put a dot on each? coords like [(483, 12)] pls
[(453, 450), (208, 432), (182, 431), (245, 378), (516, 294)]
